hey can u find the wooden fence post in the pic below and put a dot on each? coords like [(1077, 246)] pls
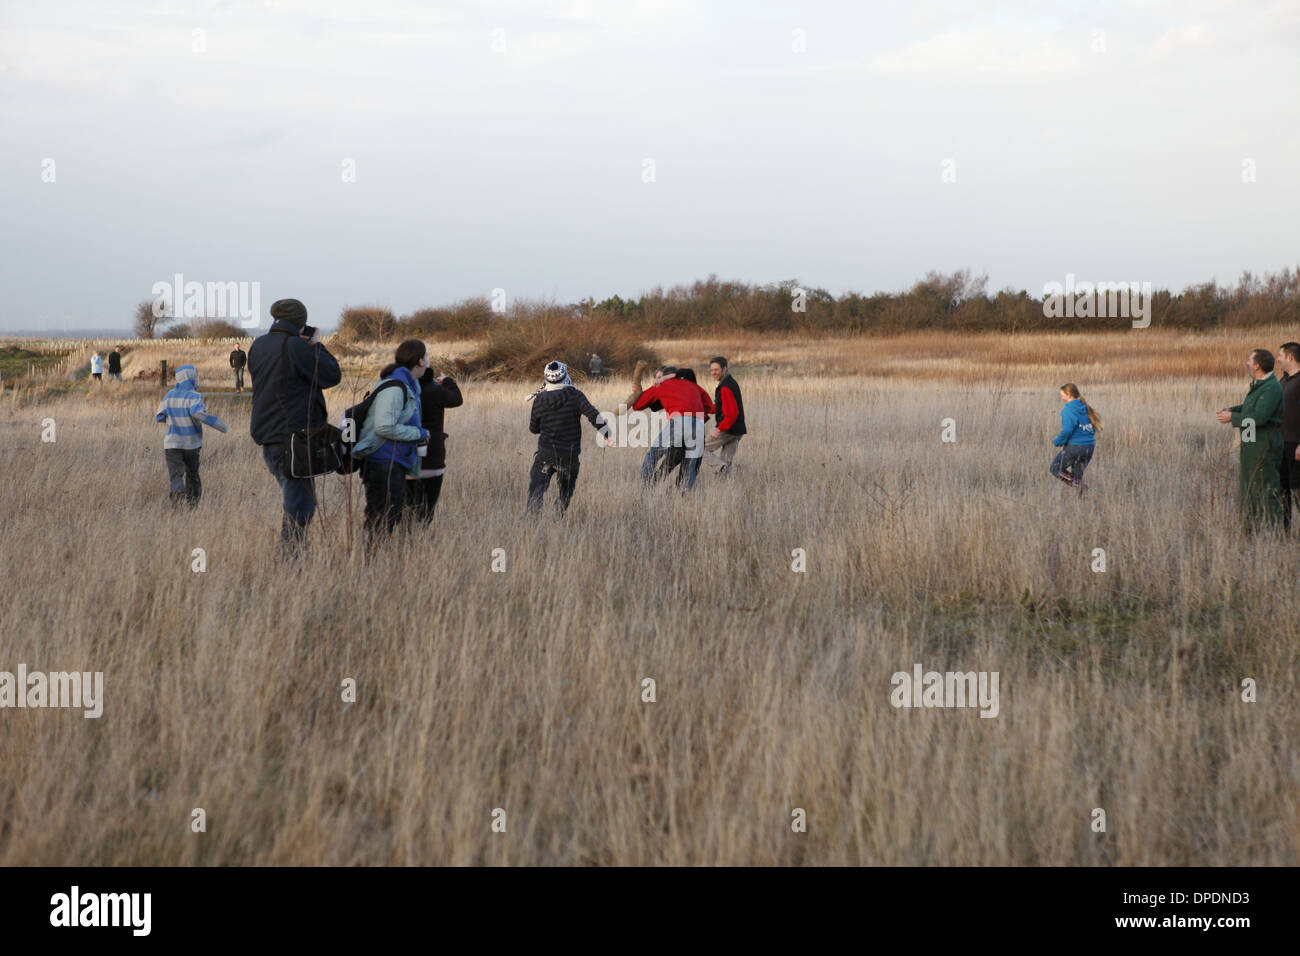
[(164, 373)]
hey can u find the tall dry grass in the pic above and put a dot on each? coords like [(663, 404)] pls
[(522, 690)]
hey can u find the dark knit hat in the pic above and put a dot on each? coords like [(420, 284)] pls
[(289, 310)]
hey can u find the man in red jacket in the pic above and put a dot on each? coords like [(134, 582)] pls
[(687, 405)]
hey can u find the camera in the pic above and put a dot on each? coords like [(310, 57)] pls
[(308, 331)]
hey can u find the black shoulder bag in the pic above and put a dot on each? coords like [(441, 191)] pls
[(308, 452)]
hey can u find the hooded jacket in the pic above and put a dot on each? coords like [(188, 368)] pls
[(311, 370), (184, 412), (392, 428), (1076, 427)]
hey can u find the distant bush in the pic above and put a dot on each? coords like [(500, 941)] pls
[(209, 329), (367, 323), (465, 320), (180, 330), (520, 345)]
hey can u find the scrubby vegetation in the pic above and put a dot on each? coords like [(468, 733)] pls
[(958, 302), (518, 348)]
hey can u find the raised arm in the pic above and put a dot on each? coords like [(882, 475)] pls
[(444, 394), (314, 362)]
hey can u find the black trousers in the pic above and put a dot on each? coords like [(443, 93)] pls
[(183, 474), (422, 497), (1289, 470), (385, 484), (545, 464)]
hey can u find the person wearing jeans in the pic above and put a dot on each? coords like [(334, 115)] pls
[(238, 360), (681, 440), (290, 371), (298, 497), (1077, 438), (687, 405), (1069, 463)]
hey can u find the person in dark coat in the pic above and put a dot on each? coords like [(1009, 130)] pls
[(437, 394), (115, 364), (238, 359), (290, 371), (1259, 418), (556, 420)]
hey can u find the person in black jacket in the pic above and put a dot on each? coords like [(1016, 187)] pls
[(290, 370), (556, 420), (437, 393), (115, 364), (238, 359), (720, 445), (1288, 359)]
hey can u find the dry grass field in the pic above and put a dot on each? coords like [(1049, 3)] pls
[(522, 689)]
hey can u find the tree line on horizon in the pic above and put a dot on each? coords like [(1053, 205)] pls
[(958, 302)]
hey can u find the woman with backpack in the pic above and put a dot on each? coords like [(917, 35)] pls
[(390, 436), (1077, 439), (437, 393)]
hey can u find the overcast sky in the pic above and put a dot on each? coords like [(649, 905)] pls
[(504, 145)]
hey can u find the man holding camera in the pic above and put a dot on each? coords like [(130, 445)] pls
[(290, 370)]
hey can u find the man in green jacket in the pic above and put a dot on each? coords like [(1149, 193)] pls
[(1259, 418)]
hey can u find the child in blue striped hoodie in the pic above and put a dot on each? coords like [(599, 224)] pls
[(185, 414)]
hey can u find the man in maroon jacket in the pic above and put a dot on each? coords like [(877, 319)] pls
[(720, 446)]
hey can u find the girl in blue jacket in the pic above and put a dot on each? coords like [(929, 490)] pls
[(389, 440), (1077, 439)]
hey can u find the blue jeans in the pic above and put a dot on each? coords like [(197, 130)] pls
[(299, 495), (1074, 459), (683, 434)]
